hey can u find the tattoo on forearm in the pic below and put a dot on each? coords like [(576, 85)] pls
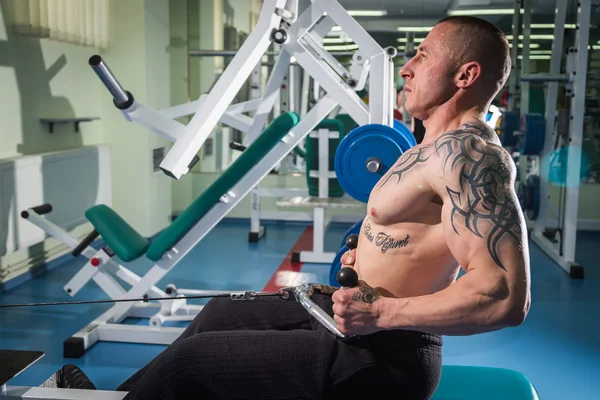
[(482, 191), (383, 240), (366, 295)]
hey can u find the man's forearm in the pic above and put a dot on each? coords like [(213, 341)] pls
[(467, 307)]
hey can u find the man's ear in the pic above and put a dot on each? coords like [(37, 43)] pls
[(468, 74)]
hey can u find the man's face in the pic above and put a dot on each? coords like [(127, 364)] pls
[(429, 74)]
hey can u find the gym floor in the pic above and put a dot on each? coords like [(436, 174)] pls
[(557, 348)]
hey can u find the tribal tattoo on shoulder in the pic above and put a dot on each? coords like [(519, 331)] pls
[(481, 194)]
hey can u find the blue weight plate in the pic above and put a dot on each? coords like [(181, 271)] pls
[(532, 127), (353, 229), (336, 265), (361, 144), (508, 126), (405, 130), (533, 209)]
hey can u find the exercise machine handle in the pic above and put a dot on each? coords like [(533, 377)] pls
[(237, 146), (302, 294), (85, 243), (40, 210), (122, 98)]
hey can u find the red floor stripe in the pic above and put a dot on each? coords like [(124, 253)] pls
[(288, 270)]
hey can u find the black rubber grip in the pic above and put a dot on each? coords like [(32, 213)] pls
[(237, 146), (41, 210), (95, 60), (85, 243)]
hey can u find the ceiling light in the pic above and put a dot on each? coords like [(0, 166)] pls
[(415, 40), (551, 26), (531, 45), (487, 11), (542, 37), (536, 57), (414, 28), (540, 52), (367, 13)]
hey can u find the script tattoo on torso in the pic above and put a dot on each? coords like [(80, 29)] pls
[(384, 240), (482, 194)]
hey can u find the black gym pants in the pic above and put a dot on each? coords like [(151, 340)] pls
[(270, 348)]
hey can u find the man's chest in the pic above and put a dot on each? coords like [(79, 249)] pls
[(406, 189)]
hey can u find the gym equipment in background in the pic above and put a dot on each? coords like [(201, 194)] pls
[(320, 175), (539, 137), (166, 250), (298, 27)]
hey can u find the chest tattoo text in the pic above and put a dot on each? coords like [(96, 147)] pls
[(384, 241), (478, 178)]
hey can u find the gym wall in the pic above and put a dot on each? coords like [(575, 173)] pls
[(43, 78)]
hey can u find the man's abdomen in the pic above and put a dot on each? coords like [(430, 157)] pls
[(404, 261)]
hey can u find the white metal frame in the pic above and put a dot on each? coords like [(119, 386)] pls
[(304, 22), (106, 274), (577, 59)]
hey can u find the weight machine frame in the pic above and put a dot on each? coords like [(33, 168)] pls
[(562, 253), (297, 28)]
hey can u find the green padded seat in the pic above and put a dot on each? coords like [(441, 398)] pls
[(347, 122), (118, 234), (483, 383), (198, 209)]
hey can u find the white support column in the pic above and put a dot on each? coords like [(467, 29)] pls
[(319, 212), (270, 102), (576, 130), (551, 99), (514, 75), (525, 64), (524, 92), (380, 111), (323, 135)]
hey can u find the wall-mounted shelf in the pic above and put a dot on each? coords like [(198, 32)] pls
[(74, 121)]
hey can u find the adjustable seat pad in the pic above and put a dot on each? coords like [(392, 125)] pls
[(479, 383), (125, 241), (198, 209)]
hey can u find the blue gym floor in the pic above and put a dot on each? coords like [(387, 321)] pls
[(557, 348)]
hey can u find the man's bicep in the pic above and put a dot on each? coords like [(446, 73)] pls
[(477, 236), (481, 214)]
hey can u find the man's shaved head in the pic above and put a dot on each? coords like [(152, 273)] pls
[(475, 39)]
